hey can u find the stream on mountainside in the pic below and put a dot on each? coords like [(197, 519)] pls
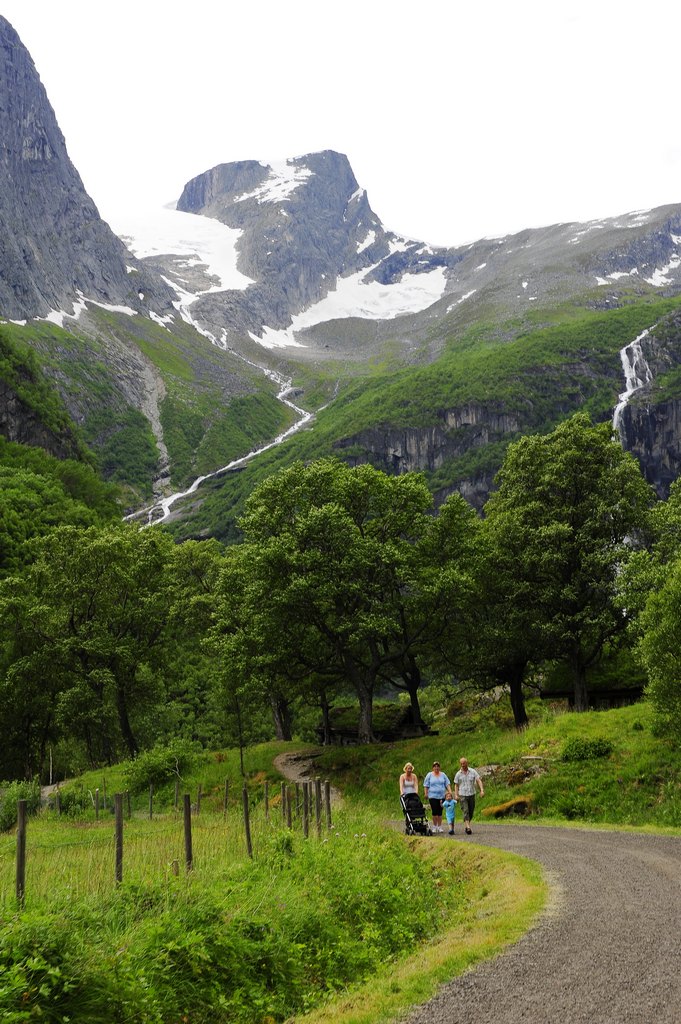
[(159, 511), (636, 375)]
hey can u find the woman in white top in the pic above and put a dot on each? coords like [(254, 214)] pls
[(408, 781)]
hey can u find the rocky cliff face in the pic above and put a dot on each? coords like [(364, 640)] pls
[(427, 448), (653, 435), (53, 243), (20, 423)]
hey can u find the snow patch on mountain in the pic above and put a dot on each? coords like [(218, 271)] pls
[(354, 296), (194, 240), (660, 276), (462, 299), (369, 240), (284, 178), (58, 316)]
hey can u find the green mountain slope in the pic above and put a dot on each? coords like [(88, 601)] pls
[(460, 412), (156, 408)]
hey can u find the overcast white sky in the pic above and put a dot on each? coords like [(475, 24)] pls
[(461, 119)]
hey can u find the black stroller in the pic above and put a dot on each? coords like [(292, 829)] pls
[(415, 821)]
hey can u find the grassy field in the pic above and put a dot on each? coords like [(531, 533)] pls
[(637, 784), (329, 928)]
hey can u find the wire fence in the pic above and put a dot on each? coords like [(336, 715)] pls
[(51, 858)]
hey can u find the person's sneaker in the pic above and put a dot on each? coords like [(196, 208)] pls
[(451, 831), (469, 832)]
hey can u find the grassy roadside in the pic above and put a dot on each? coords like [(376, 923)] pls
[(504, 895), (296, 928)]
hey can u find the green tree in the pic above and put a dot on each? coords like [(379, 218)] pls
[(194, 706), (90, 616), (652, 586), (660, 647), (562, 526), (321, 578), (437, 609), (30, 506)]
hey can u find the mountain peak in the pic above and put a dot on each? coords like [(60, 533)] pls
[(54, 246), (263, 181), (308, 233)]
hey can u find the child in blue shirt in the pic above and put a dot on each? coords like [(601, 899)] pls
[(449, 806)]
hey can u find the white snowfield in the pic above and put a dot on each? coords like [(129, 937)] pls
[(283, 179), (196, 239), (354, 296)]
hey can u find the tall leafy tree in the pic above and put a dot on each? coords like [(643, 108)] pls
[(330, 555), (193, 704), (31, 505), (437, 610), (562, 525), (91, 614), (652, 586), (660, 647)]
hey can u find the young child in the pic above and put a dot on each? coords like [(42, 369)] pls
[(449, 807)]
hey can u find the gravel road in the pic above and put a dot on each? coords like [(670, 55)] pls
[(606, 951)]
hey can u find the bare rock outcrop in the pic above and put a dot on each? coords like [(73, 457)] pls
[(54, 246)]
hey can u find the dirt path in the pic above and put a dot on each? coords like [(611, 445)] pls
[(606, 951), (299, 767)]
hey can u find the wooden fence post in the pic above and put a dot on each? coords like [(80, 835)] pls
[(318, 803), (118, 810), (188, 855), (327, 802), (21, 853), (247, 823), (297, 799), (306, 810), (97, 804)]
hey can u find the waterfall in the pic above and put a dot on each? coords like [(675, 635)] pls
[(636, 375)]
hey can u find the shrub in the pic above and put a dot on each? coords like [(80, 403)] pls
[(580, 749), (10, 792), (160, 764), (73, 801), (263, 940)]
